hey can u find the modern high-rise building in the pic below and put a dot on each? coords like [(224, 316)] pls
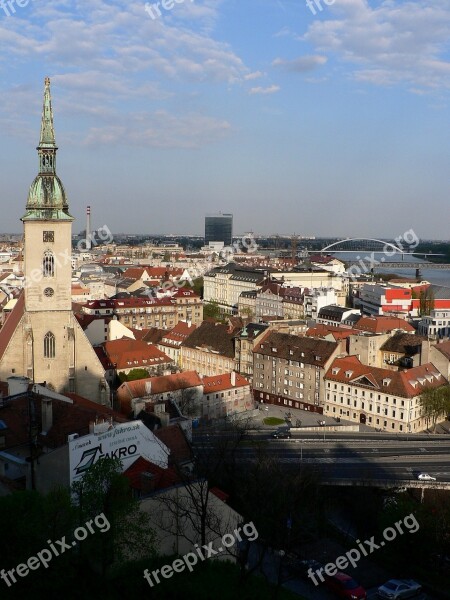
[(219, 228)]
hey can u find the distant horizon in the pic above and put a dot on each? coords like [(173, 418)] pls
[(286, 236), (289, 120)]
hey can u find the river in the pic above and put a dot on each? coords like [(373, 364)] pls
[(436, 276)]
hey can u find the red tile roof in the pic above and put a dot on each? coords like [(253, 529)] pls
[(179, 333), (444, 348), (218, 383), (163, 478), (319, 330), (173, 437), (10, 325), (68, 417), (408, 383), (185, 293), (158, 385), (129, 354), (382, 324), (136, 273)]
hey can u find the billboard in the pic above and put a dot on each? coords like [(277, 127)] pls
[(127, 441)]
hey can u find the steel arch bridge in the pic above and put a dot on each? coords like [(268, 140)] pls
[(362, 245)]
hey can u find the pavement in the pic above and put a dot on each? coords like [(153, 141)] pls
[(307, 418)]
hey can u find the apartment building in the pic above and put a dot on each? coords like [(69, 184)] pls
[(209, 349), (288, 370), (381, 398), (244, 342), (225, 284), (144, 313), (436, 324)]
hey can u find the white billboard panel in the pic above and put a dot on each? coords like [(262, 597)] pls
[(127, 441)]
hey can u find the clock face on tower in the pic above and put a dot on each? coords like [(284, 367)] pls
[(48, 236), (48, 292)]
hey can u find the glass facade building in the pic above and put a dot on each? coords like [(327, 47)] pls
[(219, 228)]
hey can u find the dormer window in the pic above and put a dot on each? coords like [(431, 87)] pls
[(335, 370), (348, 374), (386, 381)]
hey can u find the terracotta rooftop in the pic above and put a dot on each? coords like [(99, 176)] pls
[(173, 437), (129, 354), (10, 325), (163, 478), (407, 383), (444, 348), (382, 324), (68, 417), (158, 385), (218, 383), (322, 331)]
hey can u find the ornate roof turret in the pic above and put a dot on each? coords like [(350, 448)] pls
[(47, 197)]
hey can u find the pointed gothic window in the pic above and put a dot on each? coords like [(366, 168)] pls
[(49, 345), (48, 264)]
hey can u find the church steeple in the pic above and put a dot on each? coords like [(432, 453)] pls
[(47, 197), (47, 146)]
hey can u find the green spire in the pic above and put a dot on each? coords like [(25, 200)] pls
[(47, 197), (47, 139)]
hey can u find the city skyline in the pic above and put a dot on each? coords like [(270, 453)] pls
[(300, 125)]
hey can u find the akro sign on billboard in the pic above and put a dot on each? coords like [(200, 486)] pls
[(127, 441)]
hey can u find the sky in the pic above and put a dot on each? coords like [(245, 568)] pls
[(329, 120)]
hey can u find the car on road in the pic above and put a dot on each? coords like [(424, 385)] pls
[(282, 434), (344, 586), (399, 588), (425, 477)]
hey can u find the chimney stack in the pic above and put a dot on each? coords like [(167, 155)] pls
[(233, 378), (88, 228)]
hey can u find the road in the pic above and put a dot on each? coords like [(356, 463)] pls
[(353, 458)]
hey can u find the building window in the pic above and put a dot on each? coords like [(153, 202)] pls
[(49, 345), (48, 264)]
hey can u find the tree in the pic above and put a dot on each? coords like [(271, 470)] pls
[(212, 310), (192, 512), (133, 375), (247, 312), (435, 404), (426, 302), (104, 490)]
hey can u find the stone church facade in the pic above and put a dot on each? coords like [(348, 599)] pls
[(41, 339)]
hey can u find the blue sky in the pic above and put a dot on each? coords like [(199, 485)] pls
[(330, 124)]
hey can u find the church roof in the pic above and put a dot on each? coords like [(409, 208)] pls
[(6, 332)]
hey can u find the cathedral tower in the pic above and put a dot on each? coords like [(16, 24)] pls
[(41, 338)]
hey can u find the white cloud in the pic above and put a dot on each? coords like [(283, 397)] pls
[(254, 75), (300, 64), (265, 90), (404, 42)]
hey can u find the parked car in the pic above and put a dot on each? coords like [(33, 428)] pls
[(282, 434), (345, 587), (425, 477), (399, 588)]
